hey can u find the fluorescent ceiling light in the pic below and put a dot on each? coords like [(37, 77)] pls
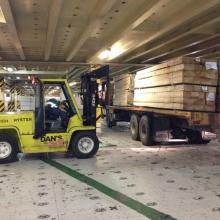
[(73, 83), (2, 17), (105, 54), (113, 52), (116, 50), (9, 69)]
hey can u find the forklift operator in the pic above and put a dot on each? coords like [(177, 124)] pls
[(56, 112)]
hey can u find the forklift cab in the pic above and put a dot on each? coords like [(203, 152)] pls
[(54, 107), (50, 134)]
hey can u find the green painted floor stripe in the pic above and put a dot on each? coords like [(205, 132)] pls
[(120, 197)]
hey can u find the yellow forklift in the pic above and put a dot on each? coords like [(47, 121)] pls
[(53, 127)]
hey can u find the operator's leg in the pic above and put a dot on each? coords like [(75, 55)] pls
[(64, 118)]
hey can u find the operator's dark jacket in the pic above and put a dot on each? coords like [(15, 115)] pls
[(55, 113)]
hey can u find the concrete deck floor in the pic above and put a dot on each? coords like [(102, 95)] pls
[(182, 181)]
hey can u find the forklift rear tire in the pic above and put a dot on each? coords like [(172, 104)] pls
[(85, 144), (145, 131), (134, 127), (8, 148)]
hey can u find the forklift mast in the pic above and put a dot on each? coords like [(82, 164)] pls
[(89, 93)]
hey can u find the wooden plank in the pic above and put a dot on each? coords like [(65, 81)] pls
[(181, 87), (172, 62), (123, 89), (209, 78), (187, 67), (176, 106), (218, 100), (178, 97)]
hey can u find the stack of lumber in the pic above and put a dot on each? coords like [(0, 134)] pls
[(123, 90), (111, 92), (218, 99), (181, 84), (183, 97)]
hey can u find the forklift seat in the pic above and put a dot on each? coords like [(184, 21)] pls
[(54, 125)]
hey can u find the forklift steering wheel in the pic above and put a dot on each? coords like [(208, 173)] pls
[(66, 104)]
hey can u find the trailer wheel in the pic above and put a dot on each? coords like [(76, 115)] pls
[(195, 137), (8, 148), (109, 119), (145, 131), (134, 127), (84, 144)]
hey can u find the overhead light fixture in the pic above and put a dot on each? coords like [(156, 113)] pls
[(2, 17), (18, 77), (105, 54), (9, 68), (113, 52), (72, 83), (116, 50)]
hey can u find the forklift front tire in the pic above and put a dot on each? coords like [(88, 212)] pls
[(8, 148), (84, 144)]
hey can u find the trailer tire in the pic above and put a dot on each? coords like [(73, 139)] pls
[(145, 131), (109, 119), (8, 148), (195, 137), (134, 127), (84, 144)]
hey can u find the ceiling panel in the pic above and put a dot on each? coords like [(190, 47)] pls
[(77, 31)]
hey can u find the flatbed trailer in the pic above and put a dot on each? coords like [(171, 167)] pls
[(153, 125)]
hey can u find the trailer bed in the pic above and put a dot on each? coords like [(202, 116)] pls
[(194, 117)]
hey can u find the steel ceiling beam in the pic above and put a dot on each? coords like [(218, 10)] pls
[(193, 48), (100, 9), (37, 72), (181, 25), (61, 63), (78, 74), (71, 74), (54, 13), (6, 9), (119, 71), (138, 17)]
